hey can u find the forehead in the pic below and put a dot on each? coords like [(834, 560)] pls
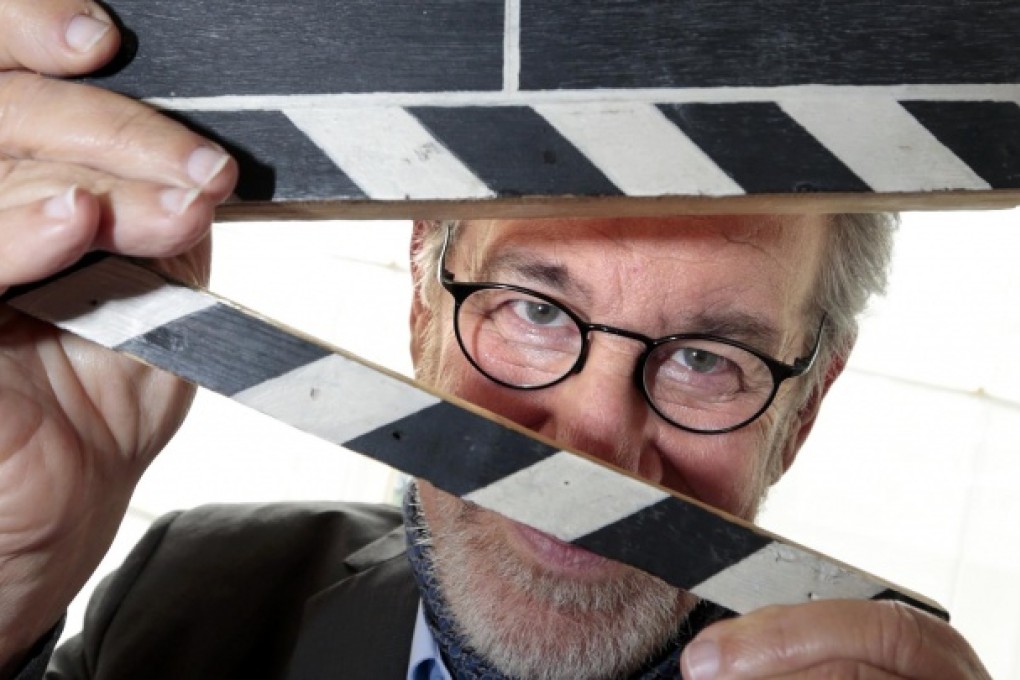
[(662, 275)]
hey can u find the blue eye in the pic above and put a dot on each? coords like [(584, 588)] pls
[(540, 313), (699, 360)]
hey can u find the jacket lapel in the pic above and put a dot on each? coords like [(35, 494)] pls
[(361, 627)]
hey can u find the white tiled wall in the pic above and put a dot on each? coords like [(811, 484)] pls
[(913, 471)]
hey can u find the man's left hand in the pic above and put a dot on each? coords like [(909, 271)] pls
[(833, 639)]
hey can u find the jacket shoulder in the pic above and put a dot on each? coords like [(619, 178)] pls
[(220, 589)]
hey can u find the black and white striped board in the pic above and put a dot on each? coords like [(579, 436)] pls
[(447, 108), (490, 461)]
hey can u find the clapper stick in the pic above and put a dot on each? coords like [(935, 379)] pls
[(332, 394), (487, 108)]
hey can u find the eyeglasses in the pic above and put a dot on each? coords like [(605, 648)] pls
[(701, 383)]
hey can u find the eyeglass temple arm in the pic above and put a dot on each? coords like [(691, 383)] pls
[(802, 364)]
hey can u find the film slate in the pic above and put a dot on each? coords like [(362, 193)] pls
[(461, 449), (433, 108)]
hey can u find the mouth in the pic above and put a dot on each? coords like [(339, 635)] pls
[(558, 555)]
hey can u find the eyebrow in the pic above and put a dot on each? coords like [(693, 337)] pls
[(738, 325), (532, 269)]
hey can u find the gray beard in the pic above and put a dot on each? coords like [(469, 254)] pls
[(571, 629)]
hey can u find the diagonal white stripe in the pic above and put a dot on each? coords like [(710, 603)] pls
[(882, 143), (577, 496), (388, 153), (639, 149), (335, 398), (140, 301), (784, 574)]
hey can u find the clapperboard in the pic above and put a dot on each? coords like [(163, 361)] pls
[(516, 107)]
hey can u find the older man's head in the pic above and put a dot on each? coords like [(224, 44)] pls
[(579, 342)]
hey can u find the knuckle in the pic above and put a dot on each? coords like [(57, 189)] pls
[(911, 638), (902, 633)]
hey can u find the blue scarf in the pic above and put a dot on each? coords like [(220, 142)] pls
[(465, 664)]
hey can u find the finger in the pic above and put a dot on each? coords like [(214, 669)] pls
[(46, 236), (63, 122), (148, 220), (888, 636), (56, 37), (133, 218)]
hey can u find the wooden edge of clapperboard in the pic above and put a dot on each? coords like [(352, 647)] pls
[(622, 206)]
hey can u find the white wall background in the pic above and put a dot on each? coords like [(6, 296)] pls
[(913, 471)]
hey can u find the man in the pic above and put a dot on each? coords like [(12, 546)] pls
[(538, 607), (243, 593)]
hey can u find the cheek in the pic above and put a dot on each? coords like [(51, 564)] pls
[(724, 471), (451, 372)]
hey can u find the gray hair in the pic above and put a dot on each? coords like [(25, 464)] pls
[(855, 266)]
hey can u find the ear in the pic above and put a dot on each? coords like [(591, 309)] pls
[(805, 418), (420, 312)]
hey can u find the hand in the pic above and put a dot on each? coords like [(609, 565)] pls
[(832, 639), (80, 169)]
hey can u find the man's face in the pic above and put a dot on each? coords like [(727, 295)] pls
[(524, 599)]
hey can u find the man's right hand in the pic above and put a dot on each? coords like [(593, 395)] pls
[(81, 169)]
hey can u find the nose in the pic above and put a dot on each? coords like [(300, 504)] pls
[(599, 411)]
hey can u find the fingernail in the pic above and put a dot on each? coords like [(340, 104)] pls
[(84, 31), (62, 206), (205, 163), (701, 660), (176, 201)]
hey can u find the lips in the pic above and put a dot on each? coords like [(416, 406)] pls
[(556, 554)]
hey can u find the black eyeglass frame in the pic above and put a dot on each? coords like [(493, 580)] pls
[(780, 371)]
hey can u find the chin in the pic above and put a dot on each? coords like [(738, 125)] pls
[(539, 608)]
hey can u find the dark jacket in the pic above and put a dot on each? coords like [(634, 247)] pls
[(296, 591)]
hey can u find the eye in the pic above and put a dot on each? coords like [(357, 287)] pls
[(700, 360), (540, 313)]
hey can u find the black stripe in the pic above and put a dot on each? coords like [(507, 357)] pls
[(277, 161), (670, 539), (762, 148), (515, 151), (196, 48), (223, 349), (455, 449), (889, 594), (727, 43), (985, 135)]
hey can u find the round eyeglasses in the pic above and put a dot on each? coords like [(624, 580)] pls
[(698, 382)]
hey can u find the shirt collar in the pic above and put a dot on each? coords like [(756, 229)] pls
[(426, 662)]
